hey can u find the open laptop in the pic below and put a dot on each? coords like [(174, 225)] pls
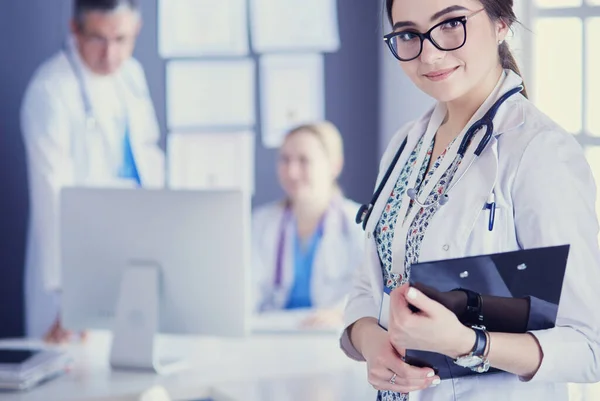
[(534, 274)]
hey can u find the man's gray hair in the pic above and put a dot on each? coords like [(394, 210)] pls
[(82, 7)]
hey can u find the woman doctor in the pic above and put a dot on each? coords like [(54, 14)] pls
[(306, 247), (531, 169)]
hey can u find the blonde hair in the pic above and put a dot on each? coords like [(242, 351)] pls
[(333, 144), (329, 136)]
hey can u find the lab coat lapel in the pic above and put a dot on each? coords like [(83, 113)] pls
[(280, 292), (509, 116), (413, 137), (481, 174), (328, 255), (287, 277), (90, 151), (406, 217), (453, 223), (143, 130), (503, 121)]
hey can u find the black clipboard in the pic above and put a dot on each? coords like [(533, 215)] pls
[(535, 274)]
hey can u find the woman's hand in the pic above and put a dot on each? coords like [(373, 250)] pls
[(434, 328), (385, 363), (59, 335)]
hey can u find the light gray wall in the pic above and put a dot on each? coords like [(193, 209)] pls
[(351, 102), (30, 31)]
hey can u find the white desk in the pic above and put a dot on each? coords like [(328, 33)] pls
[(258, 368)]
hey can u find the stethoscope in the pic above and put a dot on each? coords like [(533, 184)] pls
[(91, 122), (487, 122)]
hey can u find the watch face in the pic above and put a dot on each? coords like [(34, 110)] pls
[(469, 361)]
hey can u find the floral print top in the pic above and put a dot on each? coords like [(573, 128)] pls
[(384, 231)]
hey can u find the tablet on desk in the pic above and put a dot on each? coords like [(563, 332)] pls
[(536, 275)]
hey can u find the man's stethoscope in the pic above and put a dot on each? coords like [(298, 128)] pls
[(91, 121), (486, 122)]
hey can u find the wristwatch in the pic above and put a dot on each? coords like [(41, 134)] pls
[(473, 315), (476, 360)]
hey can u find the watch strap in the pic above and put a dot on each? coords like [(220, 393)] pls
[(481, 340), (473, 311)]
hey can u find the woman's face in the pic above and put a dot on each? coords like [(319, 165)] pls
[(304, 168), (449, 75)]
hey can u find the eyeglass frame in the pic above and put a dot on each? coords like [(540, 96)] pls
[(427, 35)]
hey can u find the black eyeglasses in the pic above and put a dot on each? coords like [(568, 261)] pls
[(446, 36)]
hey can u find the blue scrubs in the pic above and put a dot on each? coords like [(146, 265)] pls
[(129, 168), (300, 296)]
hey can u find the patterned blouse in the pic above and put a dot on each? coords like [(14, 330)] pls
[(384, 232)]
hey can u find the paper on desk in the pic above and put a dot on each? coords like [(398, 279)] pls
[(292, 25), (203, 28), (210, 93), (292, 93), (290, 322), (221, 160), (156, 393)]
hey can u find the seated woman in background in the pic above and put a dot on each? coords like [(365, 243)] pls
[(306, 247)]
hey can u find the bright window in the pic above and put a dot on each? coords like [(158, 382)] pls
[(592, 79), (562, 71), (557, 3), (557, 70)]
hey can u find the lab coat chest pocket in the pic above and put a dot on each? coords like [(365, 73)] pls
[(460, 228), (488, 235)]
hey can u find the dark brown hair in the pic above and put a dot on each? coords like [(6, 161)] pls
[(82, 7), (496, 10)]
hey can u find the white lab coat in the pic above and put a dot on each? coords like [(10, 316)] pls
[(61, 152), (336, 258), (545, 195)]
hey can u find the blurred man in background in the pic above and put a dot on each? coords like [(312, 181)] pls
[(87, 120)]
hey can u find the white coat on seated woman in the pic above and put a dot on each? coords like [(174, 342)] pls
[(306, 247)]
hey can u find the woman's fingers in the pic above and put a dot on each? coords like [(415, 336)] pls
[(58, 334), (408, 378)]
